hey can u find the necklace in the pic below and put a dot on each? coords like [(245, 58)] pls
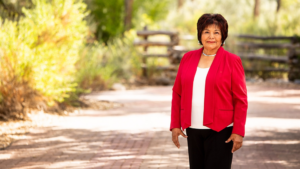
[(208, 55)]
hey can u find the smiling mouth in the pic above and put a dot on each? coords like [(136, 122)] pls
[(210, 42)]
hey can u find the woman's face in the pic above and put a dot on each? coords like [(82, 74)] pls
[(211, 37)]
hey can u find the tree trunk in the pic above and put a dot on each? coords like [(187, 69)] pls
[(128, 14), (180, 4), (278, 5), (256, 8)]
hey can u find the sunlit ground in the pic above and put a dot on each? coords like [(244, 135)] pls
[(137, 135)]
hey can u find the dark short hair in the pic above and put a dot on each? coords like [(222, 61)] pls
[(208, 19)]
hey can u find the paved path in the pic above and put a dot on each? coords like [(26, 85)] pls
[(136, 136)]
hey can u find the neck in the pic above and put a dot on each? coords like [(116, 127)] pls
[(210, 51)]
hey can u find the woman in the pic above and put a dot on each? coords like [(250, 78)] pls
[(210, 98)]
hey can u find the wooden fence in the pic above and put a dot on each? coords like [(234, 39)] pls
[(172, 54), (265, 57), (278, 55)]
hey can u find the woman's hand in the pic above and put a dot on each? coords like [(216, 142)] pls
[(237, 141), (175, 133)]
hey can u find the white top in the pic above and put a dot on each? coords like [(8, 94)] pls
[(198, 98)]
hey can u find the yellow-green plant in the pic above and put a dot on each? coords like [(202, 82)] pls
[(41, 49)]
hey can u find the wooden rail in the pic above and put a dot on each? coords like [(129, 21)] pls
[(291, 38), (251, 56), (149, 43), (149, 33), (269, 46), (268, 69), (285, 63)]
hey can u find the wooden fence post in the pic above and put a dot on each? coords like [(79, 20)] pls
[(294, 70), (144, 59)]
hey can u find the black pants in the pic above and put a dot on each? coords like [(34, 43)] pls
[(208, 150)]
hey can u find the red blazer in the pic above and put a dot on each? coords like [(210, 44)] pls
[(225, 99)]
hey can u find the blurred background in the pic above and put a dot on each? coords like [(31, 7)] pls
[(51, 51), (75, 60)]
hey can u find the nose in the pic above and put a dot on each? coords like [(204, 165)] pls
[(211, 35)]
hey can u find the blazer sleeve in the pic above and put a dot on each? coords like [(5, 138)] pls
[(239, 93), (176, 98)]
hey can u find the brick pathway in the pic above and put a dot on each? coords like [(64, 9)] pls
[(136, 136)]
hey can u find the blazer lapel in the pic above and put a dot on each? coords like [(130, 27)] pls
[(209, 100)]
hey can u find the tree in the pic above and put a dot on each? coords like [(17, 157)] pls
[(278, 5), (256, 8), (180, 3), (128, 14)]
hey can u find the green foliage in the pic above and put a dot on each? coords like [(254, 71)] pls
[(42, 48), (148, 13), (108, 16)]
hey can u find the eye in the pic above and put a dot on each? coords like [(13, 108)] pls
[(216, 32)]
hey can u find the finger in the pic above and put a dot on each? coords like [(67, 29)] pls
[(176, 142), (239, 145), (174, 139), (183, 135), (228, 140), (233, 147), (236, 146)]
